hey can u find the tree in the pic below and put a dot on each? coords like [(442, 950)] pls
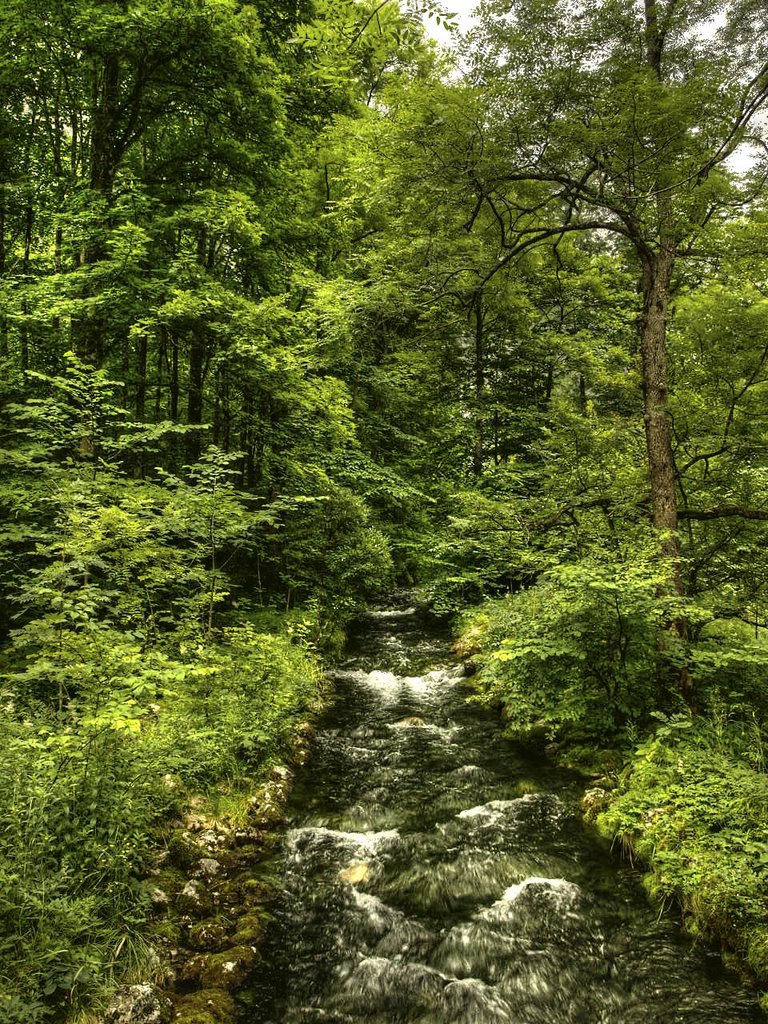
[(619, 120)]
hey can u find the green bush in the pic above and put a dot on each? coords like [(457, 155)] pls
[(575, 654), (692, 805)]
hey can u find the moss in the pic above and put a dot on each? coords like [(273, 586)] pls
[(209, 1006), (229, 969), (211, 934), (194, 899), (257, 892), (249, 929), (170, 880), (166, 930), (183, 851), (525, 786)]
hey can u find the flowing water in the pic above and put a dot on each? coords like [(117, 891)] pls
[(434, 873)]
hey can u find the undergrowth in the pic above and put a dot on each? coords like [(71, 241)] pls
[(82, 798)]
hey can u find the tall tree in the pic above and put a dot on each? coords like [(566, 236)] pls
[(620, 120)]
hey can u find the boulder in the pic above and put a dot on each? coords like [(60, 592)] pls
[(139, 1004)]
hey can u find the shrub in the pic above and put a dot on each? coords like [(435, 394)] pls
[(576, 653), (692, 805)]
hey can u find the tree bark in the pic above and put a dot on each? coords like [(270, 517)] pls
[(657, 276), (197, 363), (4, 350), (141, 376), (479, 440), (656, 283)]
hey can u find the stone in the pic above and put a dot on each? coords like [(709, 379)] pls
[(138, 1004), (228, 969), (208, 867), (213, 838), (209, 935), (194, 899)]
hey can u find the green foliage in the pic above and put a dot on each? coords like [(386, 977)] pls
[(123, 671), (576, 654), (289, 312), (333, 554), (691, 805), (84, 787)]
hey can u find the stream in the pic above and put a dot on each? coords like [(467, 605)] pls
[(434, 872)]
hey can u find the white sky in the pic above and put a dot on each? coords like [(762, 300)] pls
[(463, 9)]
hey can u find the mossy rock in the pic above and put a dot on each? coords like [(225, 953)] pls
[(183, 850), (249, 929), (194, 1016), (256, 893), (169, 879), (209, 1006), (228, 970), (594, 802), (212, 934), (194, 899), (231, 892), (166, 930)]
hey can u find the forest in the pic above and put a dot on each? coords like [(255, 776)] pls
[(299, 308)]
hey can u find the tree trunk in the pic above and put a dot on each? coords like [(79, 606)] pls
[(106, 96), (477, 454), (174, 382), (197, 365), (657, 275), (4, 350), (141, 376), (29, 218), (89, 331), (162, 355)]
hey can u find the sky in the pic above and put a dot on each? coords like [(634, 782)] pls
[(463, 9)]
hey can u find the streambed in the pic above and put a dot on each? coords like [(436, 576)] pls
[(435, 873)]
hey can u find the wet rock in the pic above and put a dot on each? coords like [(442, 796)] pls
[(413, 722), (138, 1004), (195, 899), (209, 935)]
